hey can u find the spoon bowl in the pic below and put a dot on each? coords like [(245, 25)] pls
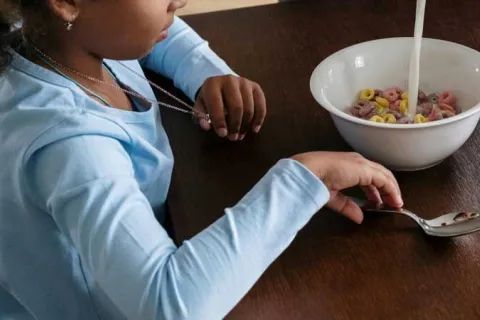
[(449, 225)]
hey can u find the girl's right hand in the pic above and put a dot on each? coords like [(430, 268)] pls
[(339, 171)]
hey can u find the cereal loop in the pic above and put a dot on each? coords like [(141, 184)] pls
[(367, 108), (447, 97), (377, 119), (396, 105), (397, 90), (435, 114), (389, 118), (379, 108), (367, 94), (446, 107), (403, 106), (383, 102), (420, 119), (390, 94)]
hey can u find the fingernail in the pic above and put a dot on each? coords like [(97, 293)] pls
[(204, 125), (233, 137), (256, 129), (241, 137), (359, 220), (222, 132)]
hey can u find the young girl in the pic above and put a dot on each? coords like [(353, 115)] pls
[(86, 163)]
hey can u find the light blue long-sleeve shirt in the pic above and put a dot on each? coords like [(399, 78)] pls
[(79, 185)]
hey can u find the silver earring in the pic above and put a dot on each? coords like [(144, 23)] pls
[(69, 24)]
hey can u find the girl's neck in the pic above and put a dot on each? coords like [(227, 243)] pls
[(81, 65), (73, 58)]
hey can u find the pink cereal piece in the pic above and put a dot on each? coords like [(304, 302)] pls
[(355, 110), (448, 98), (403, 120), (367, 109), (425, 109), (371, 114), (396, 105), (390, 94), (397, 89), (396, 114), (446, 107), (356, 107), (436, 114)]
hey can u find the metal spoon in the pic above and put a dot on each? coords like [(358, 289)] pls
[(449, 225)]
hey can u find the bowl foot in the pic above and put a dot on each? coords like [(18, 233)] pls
[(415, 169)]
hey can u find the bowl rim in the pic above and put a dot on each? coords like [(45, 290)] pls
[(324, 103)]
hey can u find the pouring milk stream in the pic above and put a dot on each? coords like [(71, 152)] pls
[(413, 79)]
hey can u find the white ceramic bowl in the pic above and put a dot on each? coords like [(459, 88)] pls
[(384, 63)]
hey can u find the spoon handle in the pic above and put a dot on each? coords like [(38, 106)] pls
[(371, 206)]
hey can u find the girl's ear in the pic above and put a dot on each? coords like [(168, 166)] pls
[(67, 10)]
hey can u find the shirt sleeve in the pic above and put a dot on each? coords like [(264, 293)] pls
[(95, 200), (185, 58)]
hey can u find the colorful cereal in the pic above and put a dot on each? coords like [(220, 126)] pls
[(383, 102), (377, 119), (419, 118), (389, 118), (367, 94), (390, 94), (391, 106)]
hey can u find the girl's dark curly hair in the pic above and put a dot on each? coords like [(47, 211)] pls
[(13, 15)]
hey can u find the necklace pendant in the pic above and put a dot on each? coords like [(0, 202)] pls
[(196, 117), (207, 118)]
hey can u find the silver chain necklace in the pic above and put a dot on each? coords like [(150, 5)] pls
[(190, 110)]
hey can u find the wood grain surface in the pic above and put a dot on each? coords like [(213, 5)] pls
[(334, 269)]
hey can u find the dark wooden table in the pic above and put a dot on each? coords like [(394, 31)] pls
[(334, 269)]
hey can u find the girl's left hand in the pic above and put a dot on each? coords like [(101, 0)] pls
[(235, 105)]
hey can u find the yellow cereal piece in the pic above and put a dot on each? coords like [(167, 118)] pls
[(389, 118), (404, 96), (377, 119), (379, 107), (367, 94), (420, 119), (403, 106), (383, 102)]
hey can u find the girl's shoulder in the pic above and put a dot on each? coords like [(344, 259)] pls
[(36, 112)]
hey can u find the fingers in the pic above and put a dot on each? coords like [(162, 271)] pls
[(246, 90), (339, 171), (372, 194), (234, 101), (386, 185), (260, 108), (235, 106), (386, 172), (201, 109), (346, 207), (212, 96), (375, 176)]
